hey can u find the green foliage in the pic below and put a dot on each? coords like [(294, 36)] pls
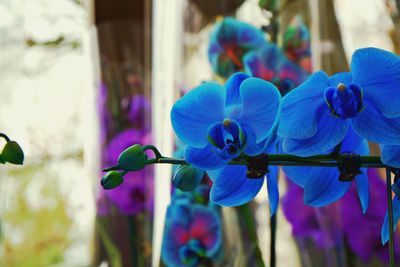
[(268, 4), (42, 231)]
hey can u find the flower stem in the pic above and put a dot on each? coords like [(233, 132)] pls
[(273, 225), (287, 160), (5, 137), (390, 213), (247, 220), (154, 149)]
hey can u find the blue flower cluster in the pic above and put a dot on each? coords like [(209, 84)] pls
[(237, 46), (247, 118), (220, 123), (193, 230)]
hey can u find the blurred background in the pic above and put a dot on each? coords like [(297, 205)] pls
[(81, 80)]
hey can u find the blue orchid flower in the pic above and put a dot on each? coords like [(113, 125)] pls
[(271, 64), (390, 155), (229, 41), (316, 115), (218, 124), (396, 213), (192, 235), (232, 186), (322, 185)]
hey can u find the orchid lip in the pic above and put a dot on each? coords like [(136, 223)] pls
[(228, 137), (344, 101)]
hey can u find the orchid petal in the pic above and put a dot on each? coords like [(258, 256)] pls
[(272, 187), (363, 189), (330, 132), (232, 188), (297, 174), (260, 106), (233, 100), (391, 155), (298, 118), (371, 125), (354, 143), (323, 187), (204, 158), (378, 72), (194, 113), (252, 148), (341, 77), (396, 218)]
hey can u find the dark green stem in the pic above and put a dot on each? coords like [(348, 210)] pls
[(287, 160), (273, 226), (336, 150), (246, 218), (390, 214), (154, 149), (133, 240), (5, 137)]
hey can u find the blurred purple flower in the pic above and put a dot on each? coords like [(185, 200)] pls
[(136, 193), (124, 140), (309, 222), (102, 203), (140, 112), (362, 232)]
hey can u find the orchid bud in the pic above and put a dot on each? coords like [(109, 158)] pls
[(12, 153), (111, 180), (132, 159), (187, 178)]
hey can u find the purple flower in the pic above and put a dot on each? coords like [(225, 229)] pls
[(322, 225), (361, 231), (124, 140), (102, 203), (136, 193), (140, 112)]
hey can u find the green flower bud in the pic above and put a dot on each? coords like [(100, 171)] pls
[(1, 160), (12, 153), (132, 159), (187, 178), (111, 180)]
